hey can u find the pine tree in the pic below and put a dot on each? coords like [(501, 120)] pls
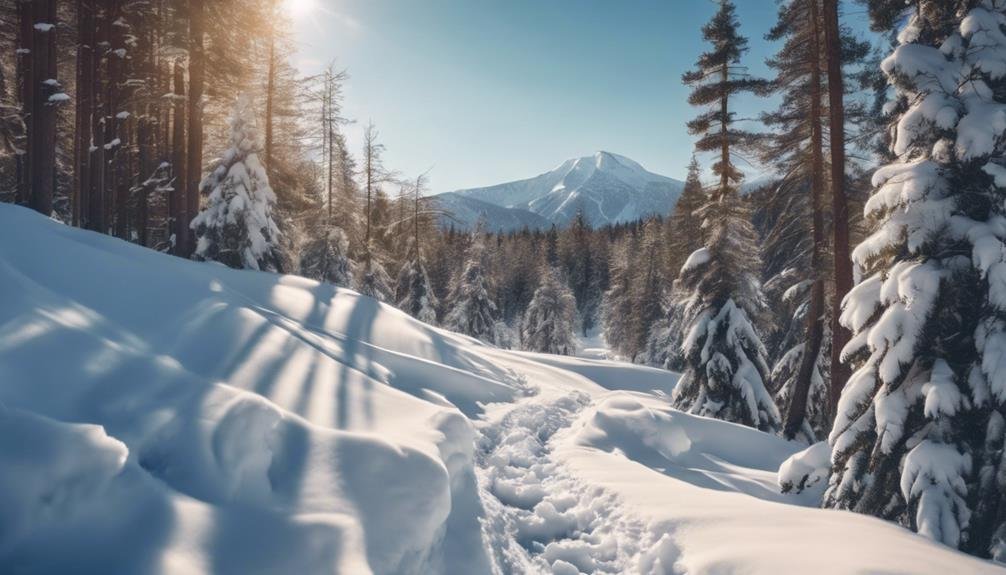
[(236, 228), (684, 227), (326, 257), (919, 432), (796, 148), (549, 322), (414, 293), (617, 310), (471, 310), (719, 289)]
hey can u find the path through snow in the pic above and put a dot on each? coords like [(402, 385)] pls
[(540, 518)]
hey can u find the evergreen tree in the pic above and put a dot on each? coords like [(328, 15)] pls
[(413, 292), (549, 322), (796, 148), (919, 432), (236, 228), (325, 257), (684, 228), (719, 289), (617, 306), (471, 310)]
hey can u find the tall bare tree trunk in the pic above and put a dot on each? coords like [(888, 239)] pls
[(840, 206), (796, 411), (43, 108), (82, 115), (197, 73), (25, 85), (176, 202), (270, 96)]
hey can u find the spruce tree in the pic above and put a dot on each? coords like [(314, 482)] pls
[(413, 291), (325, 257), (919, 432), (470, 308), (236, 226), (719, 289), (549, 322), (684, 227)]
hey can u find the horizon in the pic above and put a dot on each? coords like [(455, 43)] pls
[(518, 113)]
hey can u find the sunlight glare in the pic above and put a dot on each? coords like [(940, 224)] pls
[(301, 8)]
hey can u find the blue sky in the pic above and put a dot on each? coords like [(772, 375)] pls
[(487, 91)]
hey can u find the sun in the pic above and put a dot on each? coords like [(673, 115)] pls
[(300, 8)]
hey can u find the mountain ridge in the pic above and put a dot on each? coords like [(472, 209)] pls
[(609, 188)]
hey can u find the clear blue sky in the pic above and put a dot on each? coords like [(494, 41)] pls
[(487, 91)]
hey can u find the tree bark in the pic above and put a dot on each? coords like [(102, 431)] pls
[(197, 72), (26, 91), (840, 207), (270, 92), (176, 201), (43, 109), (82, 115), (796, 411)]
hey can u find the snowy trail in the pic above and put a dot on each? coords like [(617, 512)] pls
[(541, 518)]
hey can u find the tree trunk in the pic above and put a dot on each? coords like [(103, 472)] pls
[(26, 93), (270, 92), (176, 202), (197, 71), (43, 117), (796, 411), (82, 115), (840, 207)]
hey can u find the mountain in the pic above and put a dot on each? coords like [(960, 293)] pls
[(609, 189), (465, 211)]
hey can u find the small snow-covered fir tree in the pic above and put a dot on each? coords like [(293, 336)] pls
[(718, 289), (470, 308), (325, 257), (236, 226), (550, 320), (373, 280), (413, 291), (919, 433)]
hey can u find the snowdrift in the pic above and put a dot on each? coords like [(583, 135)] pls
[(248, 421), (165, 416)]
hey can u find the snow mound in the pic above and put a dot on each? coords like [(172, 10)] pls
[(219, 396)]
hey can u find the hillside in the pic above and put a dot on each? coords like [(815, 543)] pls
[(164, 416)]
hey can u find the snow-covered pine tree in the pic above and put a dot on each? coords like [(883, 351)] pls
[(325, 257), (919, 433), (236, 226), (719, 289), (470, 308), (373, 280), (413, 291), (549, 321)]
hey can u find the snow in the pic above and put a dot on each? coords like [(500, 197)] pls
[(608, 187), (166, 416)]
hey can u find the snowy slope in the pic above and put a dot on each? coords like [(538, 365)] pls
[(165, 416), (463, 212), (608, 187)]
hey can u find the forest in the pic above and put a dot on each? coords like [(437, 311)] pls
[(855, 299)]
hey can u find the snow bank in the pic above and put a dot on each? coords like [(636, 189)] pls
[(706, 492), (229, 395)]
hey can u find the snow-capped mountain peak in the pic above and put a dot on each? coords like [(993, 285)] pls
[(608, 187)]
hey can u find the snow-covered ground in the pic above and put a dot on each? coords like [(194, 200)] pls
[(165, 416)]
